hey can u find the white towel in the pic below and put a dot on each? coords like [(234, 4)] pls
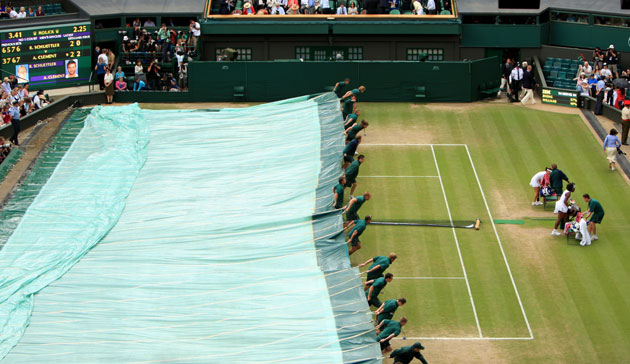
[(586, 238)]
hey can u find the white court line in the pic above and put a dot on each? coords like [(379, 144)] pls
[(397, 176), (429, 277), (461, 260), (494, 227), (466, 338)]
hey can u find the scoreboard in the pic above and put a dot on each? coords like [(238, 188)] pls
[(559, 97), (48, 56)]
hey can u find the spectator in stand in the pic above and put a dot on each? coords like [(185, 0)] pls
[(625, 122), (139, 85), (182, 77), (5, 148), (194, 31), (119, 73), (100, 72), (25, 90), (248, 9), (6, 116), (12, 13), (294, 9), (22, 13), (149, 23), (352, 10), (612, 60), (325, 4), (431, 9), (14, 96), (6, 86), (153, 75), (528, 84), (137, 32), (587, 69), (393, 5), (136, 23), (28, 106), (40, 100), (225, 7), (162, 34), (605, 72), (108, 80), (102, 57), (111, 58), (580, 79), (40, 11), (417, 10), (139, 71), (598, 57), (584, 89), (121, 85), (31, 12), (341, 10), (592, 84), (277, 9), (305, 6), (172, 83)]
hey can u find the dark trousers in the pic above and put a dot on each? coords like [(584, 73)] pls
[(515, 88), (625, 127), (101, 80), (600, 101), (16, 131)]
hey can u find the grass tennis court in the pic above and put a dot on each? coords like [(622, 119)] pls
[(575, 299)]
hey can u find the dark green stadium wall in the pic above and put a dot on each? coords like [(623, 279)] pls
[(385, 81)]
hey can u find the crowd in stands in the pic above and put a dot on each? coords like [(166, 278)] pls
[(16, 102), (151, 56), (339, 7), (9, 11)]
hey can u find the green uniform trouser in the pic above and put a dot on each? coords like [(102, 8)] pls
[(384, 316), (375, 302), (374, 275)]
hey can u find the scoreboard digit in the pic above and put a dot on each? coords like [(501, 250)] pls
[(558, 97), (48, 56)]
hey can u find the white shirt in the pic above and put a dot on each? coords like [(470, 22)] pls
[(180, 58), (277, 10), (517, 74), (342, 10), (606, 72), (587, 70), (325, 4), (13, 14), (195, 29), (431, 5), (102, 58), (149, 23), (21, 15), (138, 69)]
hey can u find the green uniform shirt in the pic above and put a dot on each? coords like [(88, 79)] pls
[(406, 354), (383, 262), (390, 327), (339, 201), (388, 310), (555, 180), (356, 92), (359, 226), (377, 287), (340, 87), (352, 171), (595, 207), (353, 132), (352, 118), (348, 105), (356, 205)]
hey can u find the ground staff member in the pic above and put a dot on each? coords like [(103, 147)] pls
[(406, 354), (352, 172), (389, 329), (516, 81), (625, 122), (599, 95), (556, 177), (352, 131), (358, 227), (338, 193), (353, 206), (14, 111), (386, 310), (375, 287), (379, 265), (596, 214), (339, 86), (349, 150)]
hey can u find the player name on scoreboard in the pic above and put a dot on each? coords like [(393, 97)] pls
[(49, 54), (557, 97)]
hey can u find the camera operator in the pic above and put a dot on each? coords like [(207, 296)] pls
[(153, 75)]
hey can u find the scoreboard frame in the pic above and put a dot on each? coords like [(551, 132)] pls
[(48, 56), (556, 96)]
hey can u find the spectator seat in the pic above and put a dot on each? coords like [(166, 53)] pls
[(395, 12)]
